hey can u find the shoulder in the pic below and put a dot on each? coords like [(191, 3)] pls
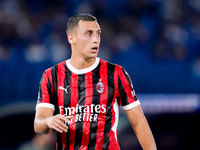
[(112, 68), (111, 65), (54, 69)]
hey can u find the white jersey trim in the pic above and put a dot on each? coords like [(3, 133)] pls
[(132, 105), (39, 105), (114, 127), (82, 71)]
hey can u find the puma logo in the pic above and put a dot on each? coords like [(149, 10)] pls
[(65, 89)]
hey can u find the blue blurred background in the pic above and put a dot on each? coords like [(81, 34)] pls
[(156, 41)]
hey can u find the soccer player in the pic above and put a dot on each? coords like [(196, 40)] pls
[(80, 97)]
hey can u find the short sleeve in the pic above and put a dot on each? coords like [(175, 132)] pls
[(45, 93), (128, 98)]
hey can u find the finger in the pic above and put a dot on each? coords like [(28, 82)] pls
[(58, 124), (57, 129), (61, 122), (67, 119), (61, 125), (60, 128)]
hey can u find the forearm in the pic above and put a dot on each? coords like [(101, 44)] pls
[(141, 128), (40, 125), (144, 135)]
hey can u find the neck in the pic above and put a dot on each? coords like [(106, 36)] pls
[(81, 63)]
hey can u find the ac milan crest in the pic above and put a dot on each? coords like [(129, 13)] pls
[(100, 86)]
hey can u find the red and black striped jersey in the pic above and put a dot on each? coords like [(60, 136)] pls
[(93, 96)]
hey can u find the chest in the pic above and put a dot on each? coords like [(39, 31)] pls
[(86, 89)]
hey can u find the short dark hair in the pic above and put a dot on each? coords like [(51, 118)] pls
[(74, 20)]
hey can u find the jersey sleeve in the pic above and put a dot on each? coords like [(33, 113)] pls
[(45, 94), (128, 98)]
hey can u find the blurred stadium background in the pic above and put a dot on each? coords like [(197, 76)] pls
[(156, 41)]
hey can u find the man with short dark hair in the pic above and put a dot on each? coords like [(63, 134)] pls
[(80, 97)]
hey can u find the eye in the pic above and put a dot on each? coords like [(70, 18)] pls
[(98, 33), (88, 33)]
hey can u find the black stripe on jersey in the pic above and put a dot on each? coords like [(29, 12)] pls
[(67, 99), (67, 82), (81, 89), (49, 92), (54, 72), (108, 122), (95, 100), (130, 83), (81, 102), (123, 94), (127, 78)]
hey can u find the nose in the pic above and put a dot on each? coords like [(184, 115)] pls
[(96, 39)]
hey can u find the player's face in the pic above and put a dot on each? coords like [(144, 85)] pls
[(87, 39)]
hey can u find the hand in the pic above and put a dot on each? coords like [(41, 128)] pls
[(57, 122)]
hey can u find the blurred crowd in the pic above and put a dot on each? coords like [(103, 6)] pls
[(156, 41)]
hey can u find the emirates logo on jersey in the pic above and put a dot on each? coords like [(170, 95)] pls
[(88, 113), (100, 87)]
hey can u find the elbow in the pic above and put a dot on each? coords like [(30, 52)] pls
[(36, 128), (40, 130)]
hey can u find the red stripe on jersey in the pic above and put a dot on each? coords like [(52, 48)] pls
[(88, 101), (45, 95), (74, 102), (103, 101), (61, 79)]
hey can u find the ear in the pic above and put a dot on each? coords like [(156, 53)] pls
[(71, 38)]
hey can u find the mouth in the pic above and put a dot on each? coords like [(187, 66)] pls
[(95, 48)]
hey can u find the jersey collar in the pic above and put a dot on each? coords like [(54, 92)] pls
[(82, 71)]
